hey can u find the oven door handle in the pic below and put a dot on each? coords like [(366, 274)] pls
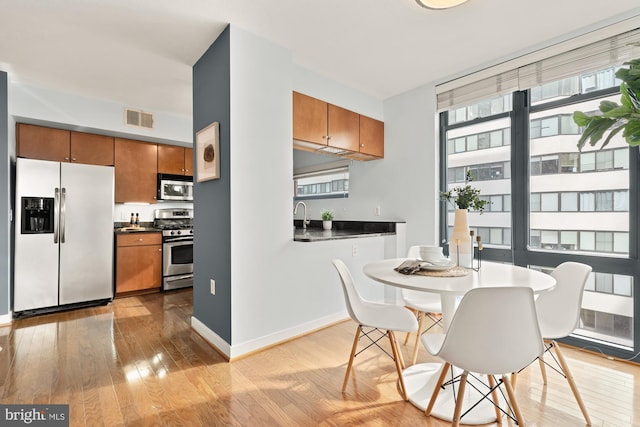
[(178, 239)]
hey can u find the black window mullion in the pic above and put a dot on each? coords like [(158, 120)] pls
[(519, 177)]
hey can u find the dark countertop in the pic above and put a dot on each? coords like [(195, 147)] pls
[(342, 230), (129, 230), (125, 227)]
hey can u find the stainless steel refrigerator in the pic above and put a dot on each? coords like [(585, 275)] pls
[(63, 234)]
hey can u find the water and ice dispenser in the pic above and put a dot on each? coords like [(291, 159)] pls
[(37, 215)]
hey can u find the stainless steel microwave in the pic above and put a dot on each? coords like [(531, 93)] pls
[(175, 187)]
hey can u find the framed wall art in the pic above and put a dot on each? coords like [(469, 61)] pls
[(208, 153)]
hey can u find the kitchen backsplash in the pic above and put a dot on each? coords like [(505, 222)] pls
[(122, 212)]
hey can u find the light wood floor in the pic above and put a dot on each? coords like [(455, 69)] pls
[(136, 362)]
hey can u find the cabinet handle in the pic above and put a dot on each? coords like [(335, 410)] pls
[(66, 158), (361, 145), (73, 159), (160, 250)]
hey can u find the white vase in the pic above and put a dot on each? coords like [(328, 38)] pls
[(326, 225), (460, 250)]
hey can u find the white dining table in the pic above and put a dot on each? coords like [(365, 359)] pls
[(420, 378)]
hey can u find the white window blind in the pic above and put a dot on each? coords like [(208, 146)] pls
[(590, 57)]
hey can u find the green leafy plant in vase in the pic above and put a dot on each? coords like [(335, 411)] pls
[(463, 198), (327, 219)]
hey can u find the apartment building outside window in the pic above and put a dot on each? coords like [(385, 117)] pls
[(563, 205)]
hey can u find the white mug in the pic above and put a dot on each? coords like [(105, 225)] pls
[(431, 253)]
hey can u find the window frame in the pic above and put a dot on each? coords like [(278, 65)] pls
[(519, 253)]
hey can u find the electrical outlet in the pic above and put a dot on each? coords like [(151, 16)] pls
[(376, 211), (213, 287), (354, 250)]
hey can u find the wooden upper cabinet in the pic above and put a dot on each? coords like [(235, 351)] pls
[(92, 149), (371, 136), (344, 128), (309, 119), (175, 160), (59, 145), (136, 171), (188, 161), (170, 159), (39, 142), (320, 126)]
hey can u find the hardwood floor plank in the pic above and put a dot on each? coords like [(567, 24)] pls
[(137, 362)]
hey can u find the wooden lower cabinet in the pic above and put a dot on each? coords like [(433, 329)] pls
[(138, 262)]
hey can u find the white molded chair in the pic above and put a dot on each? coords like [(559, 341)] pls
[(386, 318), (493, 332), (559, 314), (423, 304)]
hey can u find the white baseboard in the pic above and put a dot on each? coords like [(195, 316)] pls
[(266, 341), (6, 319), (211, 336)]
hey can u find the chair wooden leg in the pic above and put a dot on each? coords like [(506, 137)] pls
[(572, 384), (460, 399), (397, 357), (514, 379), (416, 344), (353, 352), (543, 369), (436, 389), (494, 397), (512, 400)]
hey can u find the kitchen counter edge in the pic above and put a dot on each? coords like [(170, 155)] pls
[(343, 230)]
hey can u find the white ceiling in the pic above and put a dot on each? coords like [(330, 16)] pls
[(140, 52)]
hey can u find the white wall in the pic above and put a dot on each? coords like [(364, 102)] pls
[(282, 288), (45, 106)]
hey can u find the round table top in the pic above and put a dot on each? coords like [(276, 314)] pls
[(491, 274)]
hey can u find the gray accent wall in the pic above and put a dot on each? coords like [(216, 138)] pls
[(5, 196), (212, 218)]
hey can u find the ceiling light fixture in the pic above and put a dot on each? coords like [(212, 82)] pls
[(439, 4)]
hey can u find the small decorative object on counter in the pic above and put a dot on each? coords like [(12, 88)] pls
[(327, 219), (132, 220), (137, 223)]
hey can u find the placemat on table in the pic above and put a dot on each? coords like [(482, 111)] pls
[(451, 272)]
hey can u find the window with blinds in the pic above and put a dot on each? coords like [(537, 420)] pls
[(524, 75)]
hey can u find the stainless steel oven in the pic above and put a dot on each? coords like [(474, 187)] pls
[(177, 247), (177, 261)]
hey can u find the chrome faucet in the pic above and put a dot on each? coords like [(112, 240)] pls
[(305, 221)]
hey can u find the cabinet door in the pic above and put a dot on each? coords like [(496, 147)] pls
[(136, 171), (309, 119), (344, 128), (188, 161), (92, 149), (138, 268), (43, 143), (371, 136), (171, 159)]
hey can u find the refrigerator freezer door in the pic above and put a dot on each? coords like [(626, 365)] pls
[(36, 255), (86, 256)]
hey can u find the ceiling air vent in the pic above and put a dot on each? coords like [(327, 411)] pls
[(138, 118)]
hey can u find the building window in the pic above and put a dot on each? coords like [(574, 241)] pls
[(321, 182)]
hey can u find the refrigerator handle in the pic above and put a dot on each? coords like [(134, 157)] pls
[(63, 208), (56, 214)]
